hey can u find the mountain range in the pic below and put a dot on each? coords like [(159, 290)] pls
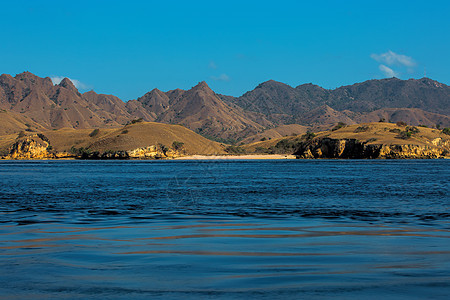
[(32, 103)]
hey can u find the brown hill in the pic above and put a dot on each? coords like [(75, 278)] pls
[(409, 115), (324, 117), (128, 137), (277, 132), (11, 122), (421, 142)]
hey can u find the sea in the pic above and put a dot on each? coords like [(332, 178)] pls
[(225, 229)]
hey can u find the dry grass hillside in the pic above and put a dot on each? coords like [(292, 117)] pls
[(11, 122), (408, 115), (372, 133), (129, 137), (277, 132)]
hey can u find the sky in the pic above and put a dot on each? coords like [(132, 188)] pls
[(127, 48)]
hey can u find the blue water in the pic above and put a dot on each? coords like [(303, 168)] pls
[(290, 229)]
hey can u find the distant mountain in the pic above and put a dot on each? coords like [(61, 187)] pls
[(310, 104), (279, 102), (425, 93), (32, 103)]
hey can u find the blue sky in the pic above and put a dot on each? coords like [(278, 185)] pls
[(127, 48)]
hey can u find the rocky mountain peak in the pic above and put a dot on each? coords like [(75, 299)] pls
[(26, 75), (271, 84), (68, 84), (203, 86), (30, 79)]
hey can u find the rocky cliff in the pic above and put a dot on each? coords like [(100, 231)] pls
[(353, 148), (30, 148), (150, 152)]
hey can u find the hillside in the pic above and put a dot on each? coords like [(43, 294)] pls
[(277, 132), (11, 122), (133, 136), (31, 103), (398, 141)]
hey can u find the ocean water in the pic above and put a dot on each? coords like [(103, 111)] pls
[(289, 229)]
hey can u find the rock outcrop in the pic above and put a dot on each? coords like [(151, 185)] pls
[(35, 147), (150, 152), (353, 148), (30, 148)]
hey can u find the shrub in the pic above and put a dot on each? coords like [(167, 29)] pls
[(395, 130), (407, 133), (125, 131), (404, 135), (43, 137), (177, 145), (382, 120), (21, 134), (261, 150), (234, 149), (263, 139), (163, 148), (80, 151), (421, 125), (371, 140), (446, 130), (286, 146), (412, 129), (137, 121), (363, 128), (339, 126), (94, 132), (401, 123), (308, 135)]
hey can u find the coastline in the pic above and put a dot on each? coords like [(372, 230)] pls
[(188, 157), (246, 156)]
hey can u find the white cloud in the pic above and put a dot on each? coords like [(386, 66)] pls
[(212, 65), (222, 77), (391, 58), (388, 72), (78, 84)]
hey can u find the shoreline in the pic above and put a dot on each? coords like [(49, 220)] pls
[(245, 156), (188, 157)]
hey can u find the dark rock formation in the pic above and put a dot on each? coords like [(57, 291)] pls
[(355, 149)]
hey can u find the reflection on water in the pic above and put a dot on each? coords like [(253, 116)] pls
[(135, 241)]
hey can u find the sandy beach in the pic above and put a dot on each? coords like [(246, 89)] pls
[(256, 156)]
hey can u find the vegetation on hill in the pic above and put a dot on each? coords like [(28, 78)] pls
[(382, 134)]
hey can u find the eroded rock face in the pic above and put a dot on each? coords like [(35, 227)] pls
[(30, 148), (352, 148), (145, 152), (150, 152)]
